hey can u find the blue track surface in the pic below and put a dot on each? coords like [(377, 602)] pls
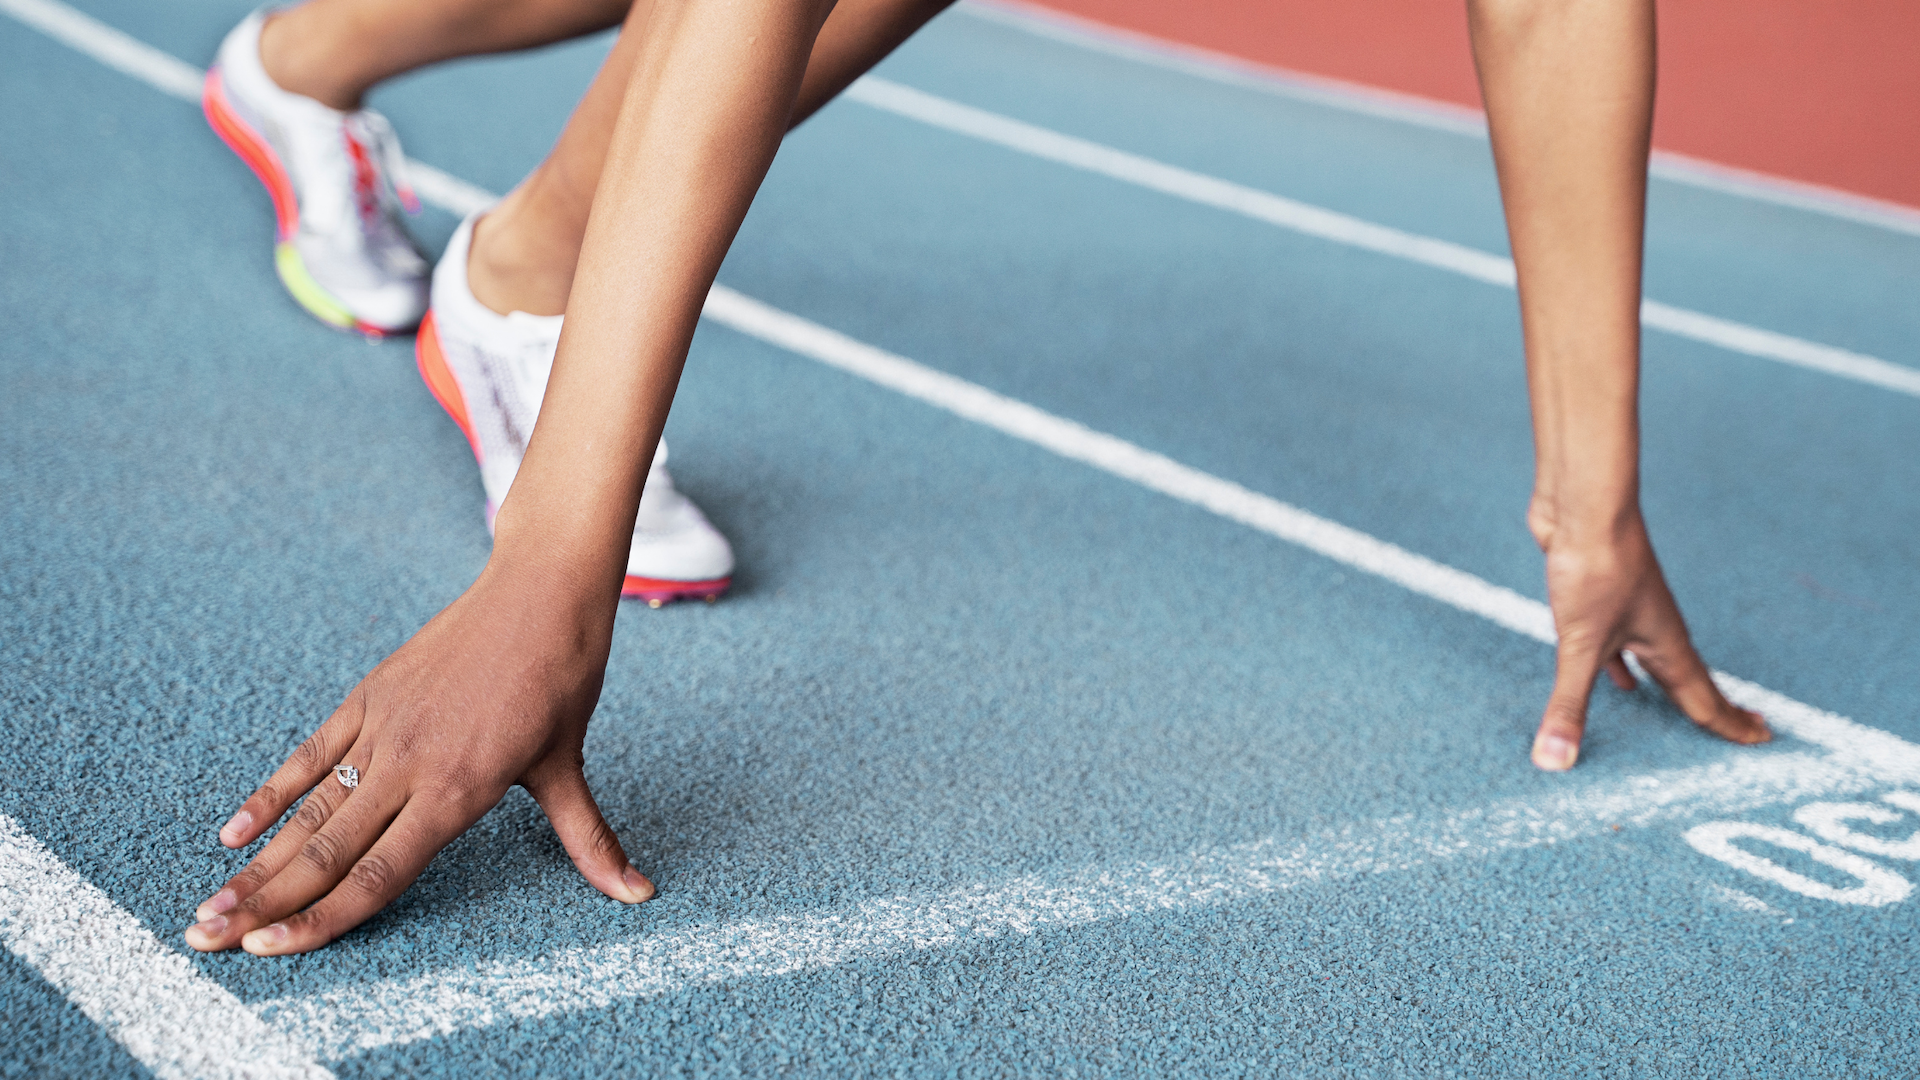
[(955, 665)]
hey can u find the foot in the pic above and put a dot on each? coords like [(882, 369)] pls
[(335, 180), (489, 371)]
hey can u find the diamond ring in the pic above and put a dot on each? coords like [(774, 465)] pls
[(347, 775)]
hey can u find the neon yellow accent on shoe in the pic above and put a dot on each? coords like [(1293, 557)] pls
[(306, 291)]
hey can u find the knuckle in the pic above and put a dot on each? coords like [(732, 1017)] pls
[(250, 880), (310, 755), (373, 875), (602, 841), (267, 799), (313, 813), (309, 924), (322, 853)]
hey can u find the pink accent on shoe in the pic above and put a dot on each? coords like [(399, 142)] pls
[(657, 591), (432, 362), (246, 142)]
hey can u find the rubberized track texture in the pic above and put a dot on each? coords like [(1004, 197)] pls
[(1136, 642)]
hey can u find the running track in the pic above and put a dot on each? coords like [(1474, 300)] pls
[(1136, 643)]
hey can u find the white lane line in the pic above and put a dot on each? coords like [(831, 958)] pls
[(369, 1016), (182, 80), (1868, 747), (1339, 228), (1419, 111), (151, 999), (506, 990), (90, 36)]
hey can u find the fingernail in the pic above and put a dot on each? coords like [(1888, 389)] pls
[(638, 885), (208, 931), (232, 831), (265, 938), (1555, 753), (218, 904)]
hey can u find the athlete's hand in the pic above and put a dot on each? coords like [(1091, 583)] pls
[(1608, 597), (495, 690)]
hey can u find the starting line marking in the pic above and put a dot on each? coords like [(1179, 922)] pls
[(181, 1023), (372, 1016)]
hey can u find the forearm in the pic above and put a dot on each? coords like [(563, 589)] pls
[(712, 88), (1569, 93)]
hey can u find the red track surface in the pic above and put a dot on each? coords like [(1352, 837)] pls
[(1816, 90)]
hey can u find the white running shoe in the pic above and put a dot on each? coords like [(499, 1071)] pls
[(489, 371), (337, 184)]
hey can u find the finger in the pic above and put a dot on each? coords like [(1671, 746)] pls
[(1687, 681), (315, 811), (306, 766), (319, 864), (1556, 746), (415, 836), (1621, 674), (589, 840)]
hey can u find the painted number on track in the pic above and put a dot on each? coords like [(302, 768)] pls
[(1875, 884)]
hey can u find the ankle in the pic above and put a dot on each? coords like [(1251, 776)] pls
[(301, 61), (507, 273)]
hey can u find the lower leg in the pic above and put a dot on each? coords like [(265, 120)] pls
[(525, 249), (334, 51)]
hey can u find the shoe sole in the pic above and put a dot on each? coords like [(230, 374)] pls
[(253, 149), (438, 375)]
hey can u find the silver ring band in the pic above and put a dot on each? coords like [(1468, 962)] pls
[(348, 776)]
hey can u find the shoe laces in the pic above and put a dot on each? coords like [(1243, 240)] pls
[(379, 165)]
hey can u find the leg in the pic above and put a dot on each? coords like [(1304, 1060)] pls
[(334, 51), (525, 250), (1569, 92)]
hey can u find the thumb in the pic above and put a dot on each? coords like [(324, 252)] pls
[(1556, 746), (588, 838)]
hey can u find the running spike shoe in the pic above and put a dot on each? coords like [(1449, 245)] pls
[(338, 185), (489, 372)]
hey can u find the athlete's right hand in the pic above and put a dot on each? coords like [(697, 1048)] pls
[(495, 690)]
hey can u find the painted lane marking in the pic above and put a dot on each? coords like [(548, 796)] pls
[(180, 79), (370, 1016), (126, 54), (1868, 747), (1330, 225), (1859, 752), (1878, 886), (149, 998), (1418, 111)]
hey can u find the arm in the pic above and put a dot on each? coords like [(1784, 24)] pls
[(1569, 93), (497, 689)]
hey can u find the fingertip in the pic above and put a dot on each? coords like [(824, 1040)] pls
[(266, 941), (1554, 753), (237, 831), (639, 889), (204, 936), (218, 904)]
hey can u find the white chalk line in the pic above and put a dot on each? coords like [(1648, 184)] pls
[(1860, 755), (369, 1017), (1418, 111), (149, 998), (1330, 225)]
